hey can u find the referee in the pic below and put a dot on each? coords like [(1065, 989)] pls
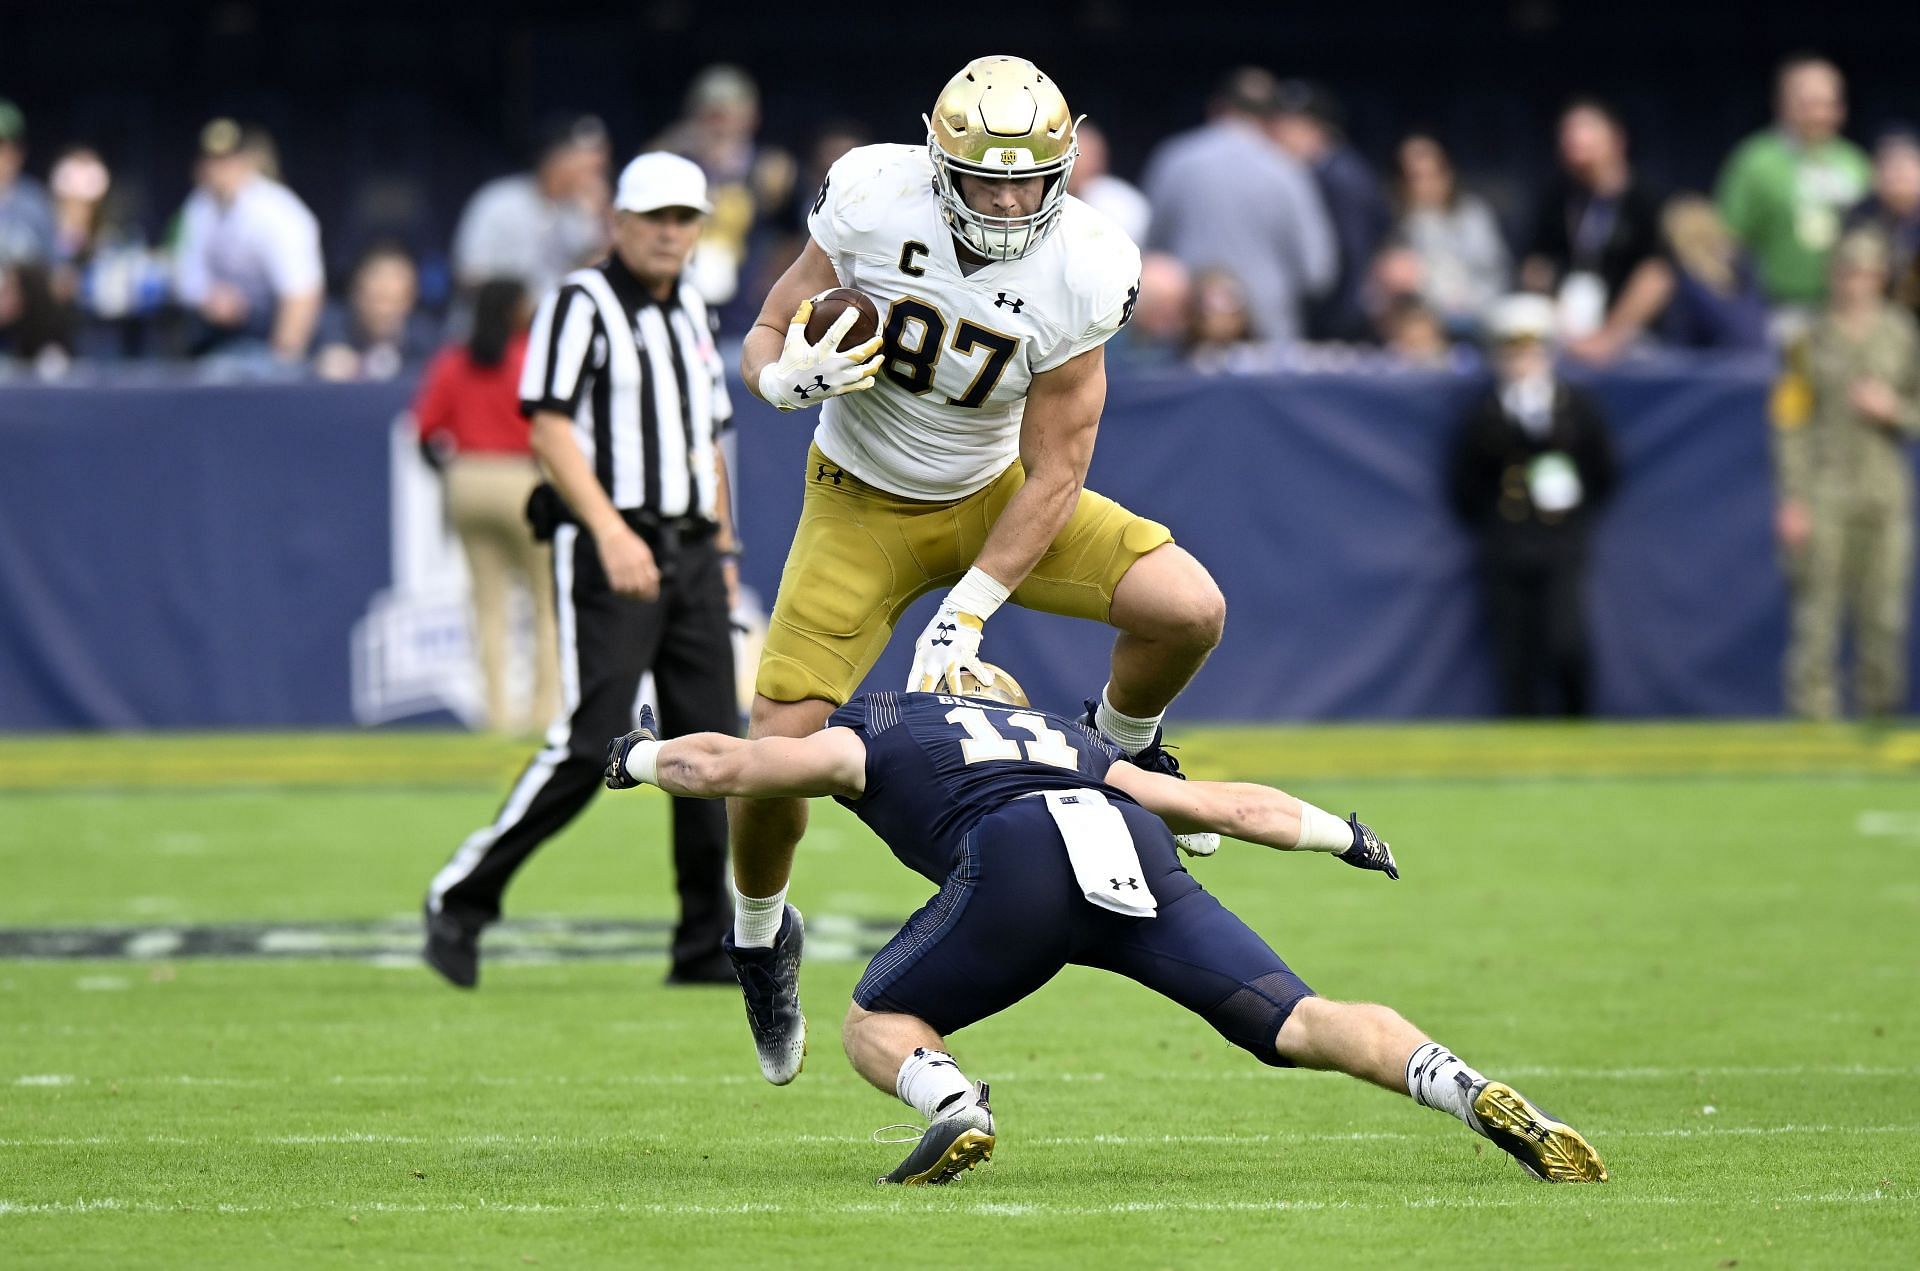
[(627, 395)]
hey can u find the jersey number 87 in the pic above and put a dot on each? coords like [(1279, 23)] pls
[(911, 365)]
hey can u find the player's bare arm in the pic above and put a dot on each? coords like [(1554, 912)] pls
[(776, 353), (1056, 446), (810, 274), (631, 570), (829, 763), (1057, 433), (1253, 814)]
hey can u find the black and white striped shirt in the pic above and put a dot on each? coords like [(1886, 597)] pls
[(642, 381)]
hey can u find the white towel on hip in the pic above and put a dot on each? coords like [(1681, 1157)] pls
[(1105, 863)]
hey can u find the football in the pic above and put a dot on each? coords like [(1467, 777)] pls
[(827, 310)]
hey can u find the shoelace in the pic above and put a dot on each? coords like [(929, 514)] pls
[(908, 1133), (767, 986)]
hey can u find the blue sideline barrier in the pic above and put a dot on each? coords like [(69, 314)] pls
[(200, 556)]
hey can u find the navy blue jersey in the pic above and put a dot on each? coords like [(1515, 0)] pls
[(936, 764)]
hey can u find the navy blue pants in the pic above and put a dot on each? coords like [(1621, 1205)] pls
[(1011, 915)]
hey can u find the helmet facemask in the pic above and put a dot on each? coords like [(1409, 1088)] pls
[(996, 237)]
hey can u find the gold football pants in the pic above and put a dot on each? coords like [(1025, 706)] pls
[(860, 556)]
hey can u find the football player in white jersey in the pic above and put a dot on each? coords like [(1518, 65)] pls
[(952, 451)]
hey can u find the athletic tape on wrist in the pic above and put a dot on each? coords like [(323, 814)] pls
[(643, 762), (979, 594)]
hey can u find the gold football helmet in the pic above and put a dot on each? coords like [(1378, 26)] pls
[(993, 683), (1001, 118)]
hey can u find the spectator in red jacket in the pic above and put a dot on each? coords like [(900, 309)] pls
[(470, 425)]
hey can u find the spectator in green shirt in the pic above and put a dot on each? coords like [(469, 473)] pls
[(1785, 191)]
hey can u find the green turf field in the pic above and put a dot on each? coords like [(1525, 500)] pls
[(1702, 945)]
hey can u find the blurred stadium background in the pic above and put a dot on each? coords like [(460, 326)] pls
[(243, 722)]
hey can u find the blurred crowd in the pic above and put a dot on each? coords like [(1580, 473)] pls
[(1275, 230), (1269, 238), (239, 281)]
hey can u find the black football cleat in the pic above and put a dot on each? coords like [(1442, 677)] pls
[(950, 1146), (1546, 1148), (452, 948), (770, 982), (1155, 758)]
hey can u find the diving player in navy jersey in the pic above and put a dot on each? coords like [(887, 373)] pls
[(1051, 849)]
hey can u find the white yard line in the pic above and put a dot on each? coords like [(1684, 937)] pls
[(749, 1079), (349, 1138), (917, 1206)]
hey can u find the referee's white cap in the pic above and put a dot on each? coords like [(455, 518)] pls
[(658, 179)]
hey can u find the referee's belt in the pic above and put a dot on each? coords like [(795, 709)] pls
[(546, 511), (668, 532)]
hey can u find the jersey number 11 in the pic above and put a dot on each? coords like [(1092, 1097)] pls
[(984, 744)]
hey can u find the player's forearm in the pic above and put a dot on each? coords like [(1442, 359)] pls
[(714, 766), (1250, 813), (702, 766), (758, 351), (1261, 814), (1033, 518)]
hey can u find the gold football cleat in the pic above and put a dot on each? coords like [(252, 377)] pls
[(973, 1147), (1545, 1148), (949, 1147)]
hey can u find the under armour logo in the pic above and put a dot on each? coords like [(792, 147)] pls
[(828, 472), (1009, 302), (943, 634), (804, 391), (1118, 883)]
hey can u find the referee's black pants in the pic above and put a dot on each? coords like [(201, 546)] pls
[(607, 642)]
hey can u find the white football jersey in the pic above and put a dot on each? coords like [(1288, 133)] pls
[(943, 419)]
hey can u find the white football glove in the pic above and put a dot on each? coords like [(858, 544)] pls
[(1203, 843), (951, 642), (808, 374)]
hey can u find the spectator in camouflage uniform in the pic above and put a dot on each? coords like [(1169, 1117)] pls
[(1848, 403)]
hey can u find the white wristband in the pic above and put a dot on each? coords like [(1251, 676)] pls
[(979, 594), (769, 387), (1322, 831), (643, 762)]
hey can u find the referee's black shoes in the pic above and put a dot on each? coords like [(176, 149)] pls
[(453, 948), (714, 968)]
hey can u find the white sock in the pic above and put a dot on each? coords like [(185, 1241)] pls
[(1132, 733), (931, 1083), (1436, 1078), (756, 919), (1322, 831)]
